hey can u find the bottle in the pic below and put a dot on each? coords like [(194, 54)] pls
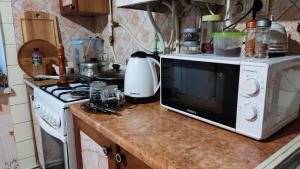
[(262, 36), (37, 67), (250, 38), (61, 62)]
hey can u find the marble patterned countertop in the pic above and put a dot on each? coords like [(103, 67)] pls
[(167, 140)]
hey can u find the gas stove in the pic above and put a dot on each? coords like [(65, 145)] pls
[(67, 93)]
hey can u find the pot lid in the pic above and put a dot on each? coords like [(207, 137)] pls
[(139, 54), (114, 73)]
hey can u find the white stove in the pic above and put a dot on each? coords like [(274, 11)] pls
[(51, 111)]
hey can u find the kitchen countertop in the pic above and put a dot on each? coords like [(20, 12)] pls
[(167, 140)]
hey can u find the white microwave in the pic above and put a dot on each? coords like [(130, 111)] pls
[(252, 97)]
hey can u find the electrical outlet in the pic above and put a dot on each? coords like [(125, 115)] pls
[(247, 5)]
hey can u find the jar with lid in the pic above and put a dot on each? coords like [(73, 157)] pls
[(262, 37), (250, 38), (191, 42), (210, 24)]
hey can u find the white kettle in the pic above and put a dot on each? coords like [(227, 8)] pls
[(141, 81)]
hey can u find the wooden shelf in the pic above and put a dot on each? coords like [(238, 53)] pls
[(84, 7)]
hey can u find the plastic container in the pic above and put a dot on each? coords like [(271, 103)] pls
[(228, 43), (250, 38), (262, 36), (80, 46), (210, 24)]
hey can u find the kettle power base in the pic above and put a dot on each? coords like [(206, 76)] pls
[(142, 100)]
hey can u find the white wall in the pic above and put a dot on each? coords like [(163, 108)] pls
[(17, 102)]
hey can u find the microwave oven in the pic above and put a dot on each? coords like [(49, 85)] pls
[(252, 97)]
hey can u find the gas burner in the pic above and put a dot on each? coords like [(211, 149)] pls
[(63, 92), (78, 94)]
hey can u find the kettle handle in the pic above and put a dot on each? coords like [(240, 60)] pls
[(153, 60)]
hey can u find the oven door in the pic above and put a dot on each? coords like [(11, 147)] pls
[(54, 146), (202, 90)]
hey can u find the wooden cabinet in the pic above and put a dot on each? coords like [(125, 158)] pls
[(84, 7), (128, 161), (91, 148)]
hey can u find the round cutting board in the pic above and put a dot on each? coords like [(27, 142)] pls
[(47, 50)]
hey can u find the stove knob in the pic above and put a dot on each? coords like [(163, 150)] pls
[(249, 113), (250, 87)]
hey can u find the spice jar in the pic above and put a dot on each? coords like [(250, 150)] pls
[(210, 24), (262, 36), (250, 38), (191, 42)]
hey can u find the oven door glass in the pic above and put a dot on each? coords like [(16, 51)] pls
[(207, 90)]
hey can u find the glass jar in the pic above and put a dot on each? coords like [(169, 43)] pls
[(262, 37), (250, 38), (210, 24), (191, 42)]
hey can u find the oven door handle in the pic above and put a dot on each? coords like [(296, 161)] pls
[(50, 130)]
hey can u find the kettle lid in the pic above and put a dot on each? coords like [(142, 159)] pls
[(139, 54)]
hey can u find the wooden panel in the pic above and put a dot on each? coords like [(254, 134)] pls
[(48, 52), (39, 25), (131, 162), (97, 137), (94, 6)]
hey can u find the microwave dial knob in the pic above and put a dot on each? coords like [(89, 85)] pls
[(250, 87), (249, 112)]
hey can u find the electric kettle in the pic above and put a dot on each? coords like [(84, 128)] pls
[(141, 81)]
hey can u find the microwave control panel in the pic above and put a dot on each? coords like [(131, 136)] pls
[(251, 99)]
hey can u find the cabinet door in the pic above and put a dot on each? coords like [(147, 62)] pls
[(128, 161), (84, 7), (93, 151)]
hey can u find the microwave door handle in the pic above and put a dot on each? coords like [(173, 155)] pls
[(49, 130)]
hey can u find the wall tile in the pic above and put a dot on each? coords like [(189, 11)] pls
[(19, 96), (15, 75), (11, 55), (25, 149), (20, 113), (23, 131), (6, 12), (27, 163), (9, 34)]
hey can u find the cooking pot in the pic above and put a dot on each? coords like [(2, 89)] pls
[(93, 68), (113, 76)]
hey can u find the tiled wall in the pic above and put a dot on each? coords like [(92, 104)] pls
[(285, 11), (16, 117)]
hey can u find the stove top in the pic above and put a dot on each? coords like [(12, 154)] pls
[(69, 92)]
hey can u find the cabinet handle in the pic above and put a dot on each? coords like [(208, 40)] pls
[(107, 150), (119, 158)]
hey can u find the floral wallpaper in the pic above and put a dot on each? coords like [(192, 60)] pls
[(286, 12)]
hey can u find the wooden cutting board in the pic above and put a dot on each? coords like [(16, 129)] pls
[(47, 50), (39, 25)]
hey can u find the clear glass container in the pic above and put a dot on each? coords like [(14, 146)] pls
[(262, 37), (96, 89), (250, 38), (210, 24)]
